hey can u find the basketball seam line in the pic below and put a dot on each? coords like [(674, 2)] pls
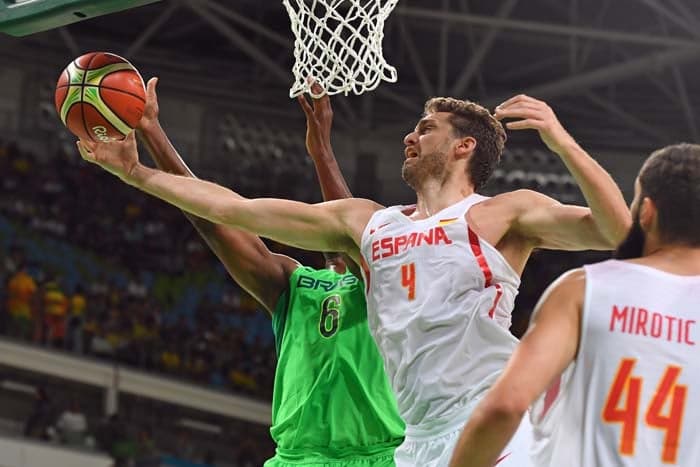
[(82, 96), (65, 122), (81, 103), (91, 58), (104, 87)]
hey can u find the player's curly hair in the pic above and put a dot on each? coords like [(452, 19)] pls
[(470, 119), (670, 177)]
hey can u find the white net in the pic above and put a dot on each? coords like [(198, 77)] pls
[(338, 43)]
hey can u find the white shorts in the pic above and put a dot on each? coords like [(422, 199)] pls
[(424, 450)]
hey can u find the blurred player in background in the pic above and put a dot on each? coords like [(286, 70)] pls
[(441, 275), (628, 331), (332, 403)]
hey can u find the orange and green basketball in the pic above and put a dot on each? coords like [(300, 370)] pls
[(100, 97)]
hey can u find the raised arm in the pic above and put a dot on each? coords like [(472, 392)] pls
[(260, 272), (531, 370), (331, 226), (319, 118), (606, 220)]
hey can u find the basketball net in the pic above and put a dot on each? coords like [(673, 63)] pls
[(338, 43)]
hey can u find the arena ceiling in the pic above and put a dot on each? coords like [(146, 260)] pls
[(619, 73)]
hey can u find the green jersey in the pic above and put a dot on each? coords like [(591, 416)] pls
[(332, 399)]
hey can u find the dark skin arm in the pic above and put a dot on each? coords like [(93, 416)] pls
[(262, 273), (318, 144)]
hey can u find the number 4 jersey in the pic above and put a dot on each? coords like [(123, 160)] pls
[(633, 396), (439, 304)]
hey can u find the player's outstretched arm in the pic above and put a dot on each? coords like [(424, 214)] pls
[(531, 370), (604, 224), (260, 272), (332, 226)]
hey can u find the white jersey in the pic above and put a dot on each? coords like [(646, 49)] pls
[(545, 414), (439, 303), (633, 396)]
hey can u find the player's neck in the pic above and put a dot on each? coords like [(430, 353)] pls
[(435, 196), (677, 259)]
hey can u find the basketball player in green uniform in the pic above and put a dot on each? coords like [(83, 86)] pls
[(332, 404)]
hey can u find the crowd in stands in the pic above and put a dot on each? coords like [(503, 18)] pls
[(94, 267)]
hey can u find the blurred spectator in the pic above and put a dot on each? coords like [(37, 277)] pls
[(55, 307), (76, 321), (112, 437), (21, 290), (9, 267), (116, 331), (144, 335), (146, 453), (71, 425), (170, 359), (40, 417)]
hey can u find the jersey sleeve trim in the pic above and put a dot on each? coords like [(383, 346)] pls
[(281, 311)]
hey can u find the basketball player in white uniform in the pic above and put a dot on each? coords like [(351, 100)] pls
[(631, 330), (441, 276)]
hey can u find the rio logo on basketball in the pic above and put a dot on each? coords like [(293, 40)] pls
[(100, 97), (101, 134)]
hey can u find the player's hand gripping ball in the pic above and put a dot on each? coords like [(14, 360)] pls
[(100, 97)]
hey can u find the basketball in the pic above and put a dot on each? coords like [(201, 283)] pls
[(100, 97)]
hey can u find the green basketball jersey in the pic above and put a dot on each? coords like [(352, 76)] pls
[(332, 399)]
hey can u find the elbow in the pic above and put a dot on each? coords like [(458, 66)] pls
[(609, 234), (509, 410), (625, 227), (620, 232)]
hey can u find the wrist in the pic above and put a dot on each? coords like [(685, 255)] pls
[(148, 125), (322, 154), (134, 175), (570, 148)]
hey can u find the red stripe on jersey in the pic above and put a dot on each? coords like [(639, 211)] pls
[(499, 293), (502, 458), (480, 258), (365, 270), (551, 396), (380, 227)]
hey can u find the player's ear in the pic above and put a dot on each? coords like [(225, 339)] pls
[(648, 214), (465, 147)]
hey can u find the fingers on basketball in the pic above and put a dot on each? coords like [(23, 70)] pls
[(84, 151)]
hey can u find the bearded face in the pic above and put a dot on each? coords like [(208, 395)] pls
[(420, 166), (427, 150)]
